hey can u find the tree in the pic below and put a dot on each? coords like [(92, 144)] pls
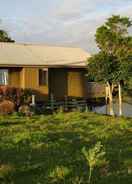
[(101, 66), (4, 37), (115, 44)]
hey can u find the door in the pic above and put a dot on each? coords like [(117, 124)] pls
[(58, 83), (76, 83)]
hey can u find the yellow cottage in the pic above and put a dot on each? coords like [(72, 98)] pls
[(47, 70)]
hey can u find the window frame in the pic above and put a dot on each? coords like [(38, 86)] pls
[(41, 83), (4, 73)]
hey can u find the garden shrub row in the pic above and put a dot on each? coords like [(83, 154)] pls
[(11, 98)]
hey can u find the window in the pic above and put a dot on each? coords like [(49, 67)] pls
[(43, 77), (3, 77)]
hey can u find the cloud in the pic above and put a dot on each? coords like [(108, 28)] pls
[(87, 16), (66, 22)]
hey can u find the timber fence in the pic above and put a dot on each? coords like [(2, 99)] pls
[(66, 105)]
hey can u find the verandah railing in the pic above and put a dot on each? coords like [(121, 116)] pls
[(66, 105)]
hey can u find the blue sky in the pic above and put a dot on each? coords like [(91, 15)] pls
[(59, 22)]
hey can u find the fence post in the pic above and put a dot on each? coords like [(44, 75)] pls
[(52, 102), (86, 108), (33, 100), (66, 104), (75, 105)]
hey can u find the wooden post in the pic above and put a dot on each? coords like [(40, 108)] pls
[(86, 108), (52, 102), (110, 100), (106, 97), (33, 100), (66, 104), (120, 99)]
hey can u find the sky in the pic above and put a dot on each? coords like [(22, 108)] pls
[(59, 22)]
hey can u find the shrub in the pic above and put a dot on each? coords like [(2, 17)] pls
[(59, 173), (25, 110), (7, 107), (11, 98), (94, 157), (6, 171), (25, 97), (17, 95)]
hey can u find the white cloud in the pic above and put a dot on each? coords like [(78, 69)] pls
[(86, 17), (70, 22)]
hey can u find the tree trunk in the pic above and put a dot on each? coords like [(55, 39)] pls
[(106, 97), (112, 88), (120, 99), (110, 100)]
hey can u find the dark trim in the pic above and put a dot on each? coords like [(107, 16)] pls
[(46, 66)]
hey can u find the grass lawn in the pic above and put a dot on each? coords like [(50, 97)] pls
[(47, 149)]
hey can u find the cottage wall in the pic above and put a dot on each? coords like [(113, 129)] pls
[(14, 77), (29, 78), (62, 82), (77, 83), (67, 82)]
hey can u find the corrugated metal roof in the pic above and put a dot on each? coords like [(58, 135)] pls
[(41, 55)]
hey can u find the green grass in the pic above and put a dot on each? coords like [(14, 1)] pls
[(48, 149)]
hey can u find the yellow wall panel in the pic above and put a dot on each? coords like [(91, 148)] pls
[(30, 80), (76, 83), (14, 78)]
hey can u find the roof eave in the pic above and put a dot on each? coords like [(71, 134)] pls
[(46, 66)]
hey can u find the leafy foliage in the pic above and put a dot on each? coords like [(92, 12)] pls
[(102, 67), (4, 37), (93, 157), (113, 35), (114, 61), (18, 96), (113, 64)]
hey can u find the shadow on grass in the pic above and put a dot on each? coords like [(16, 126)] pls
[(52, 154)]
